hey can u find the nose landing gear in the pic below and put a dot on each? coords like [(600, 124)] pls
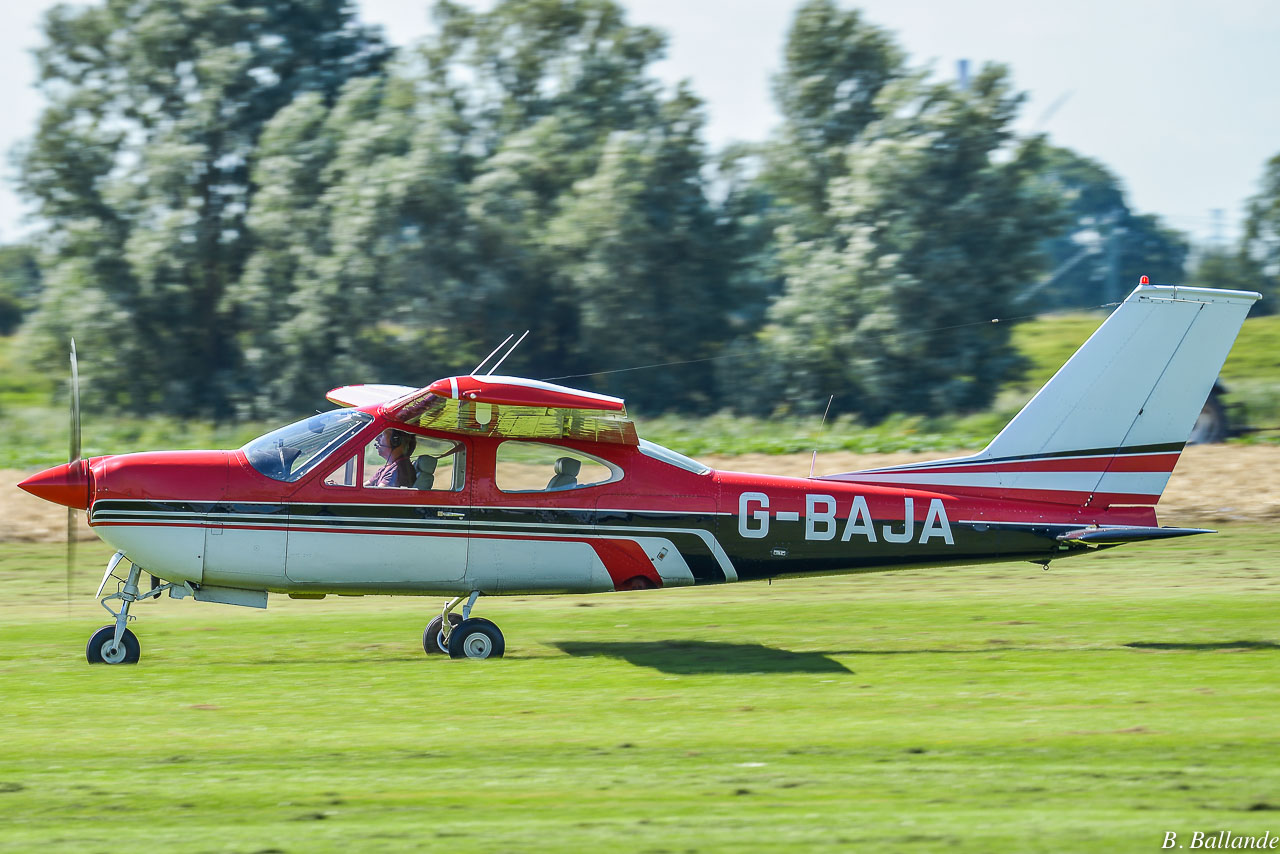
[(115, 644), (463, 636)]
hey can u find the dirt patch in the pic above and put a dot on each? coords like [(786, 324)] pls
[(1211, 485), (27, 519)]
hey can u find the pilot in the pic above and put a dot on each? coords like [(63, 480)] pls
[(394, 446)]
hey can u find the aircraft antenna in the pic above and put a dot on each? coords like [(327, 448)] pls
[(489, 372), (814, 461), (477, 368)]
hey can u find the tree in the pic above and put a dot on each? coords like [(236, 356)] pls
[(1104, 247), (19, 284), (836, 65), (1259, 255), (544, 86), (520, 170), (935, 230), (1235, 271), (141, 167), (361, 246), (639, 253)]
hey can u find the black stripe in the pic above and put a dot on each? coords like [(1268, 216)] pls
[(479, 521), (1166, 448)]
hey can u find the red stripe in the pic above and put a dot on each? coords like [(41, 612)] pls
[(399, 533), (1053, 496), (1145, 463), (625, 562)]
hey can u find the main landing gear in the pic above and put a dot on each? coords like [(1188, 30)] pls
[(465, 636), (115, 644)]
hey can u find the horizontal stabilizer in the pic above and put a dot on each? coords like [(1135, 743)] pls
[(1114, 535)]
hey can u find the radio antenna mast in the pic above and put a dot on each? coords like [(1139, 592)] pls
[(814, 461), (489, 372), (477, 368)]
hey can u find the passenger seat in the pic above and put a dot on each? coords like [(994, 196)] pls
[(425, 466)]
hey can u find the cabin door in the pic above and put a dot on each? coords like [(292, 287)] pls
[(369, 535)]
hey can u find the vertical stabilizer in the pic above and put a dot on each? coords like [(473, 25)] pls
[(1110, 424)]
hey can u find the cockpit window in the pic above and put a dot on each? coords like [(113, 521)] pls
[(538, 467), (289, 453)]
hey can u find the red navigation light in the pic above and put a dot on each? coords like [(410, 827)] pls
[(1144, 281)]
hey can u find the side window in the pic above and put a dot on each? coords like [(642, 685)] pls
[(348, 474), (399, 459), (535, 467)]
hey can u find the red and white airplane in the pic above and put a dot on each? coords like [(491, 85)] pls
[(495, 485)]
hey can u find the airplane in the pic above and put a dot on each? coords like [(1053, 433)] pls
[(494, 485)]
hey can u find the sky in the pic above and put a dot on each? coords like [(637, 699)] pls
[(1179, 98)]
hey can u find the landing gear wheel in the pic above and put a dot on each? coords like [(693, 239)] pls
[(103, 650), (433, 637), (476, 638)]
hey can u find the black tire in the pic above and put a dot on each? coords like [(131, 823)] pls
[(99, 649), (1211, 425), (476, 638), (431, 637)]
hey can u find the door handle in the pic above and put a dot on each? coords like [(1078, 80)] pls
[(452, 514)]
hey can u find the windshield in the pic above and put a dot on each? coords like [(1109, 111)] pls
[(290, 452), (652, 449)]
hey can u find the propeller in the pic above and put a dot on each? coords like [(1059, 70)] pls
[(73, 456)]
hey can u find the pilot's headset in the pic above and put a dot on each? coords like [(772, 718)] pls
[(399, 438)]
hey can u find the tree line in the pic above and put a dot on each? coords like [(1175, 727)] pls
[(244, 205)]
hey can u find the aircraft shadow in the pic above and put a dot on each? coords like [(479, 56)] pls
[(690, 657), (1202, 647)]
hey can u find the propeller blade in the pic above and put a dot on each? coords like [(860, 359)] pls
[(75, 406), (72, 456), (71, 553)]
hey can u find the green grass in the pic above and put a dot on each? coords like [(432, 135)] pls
[(1000, 708), (1256, 355)]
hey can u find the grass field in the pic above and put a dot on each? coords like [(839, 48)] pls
[(1089, 708)]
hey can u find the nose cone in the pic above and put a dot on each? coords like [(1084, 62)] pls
[(66, 484)]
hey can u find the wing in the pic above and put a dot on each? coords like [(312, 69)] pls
[(367, 395), (516, 408)]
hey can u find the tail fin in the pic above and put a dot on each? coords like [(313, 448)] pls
[(1109, 426)]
